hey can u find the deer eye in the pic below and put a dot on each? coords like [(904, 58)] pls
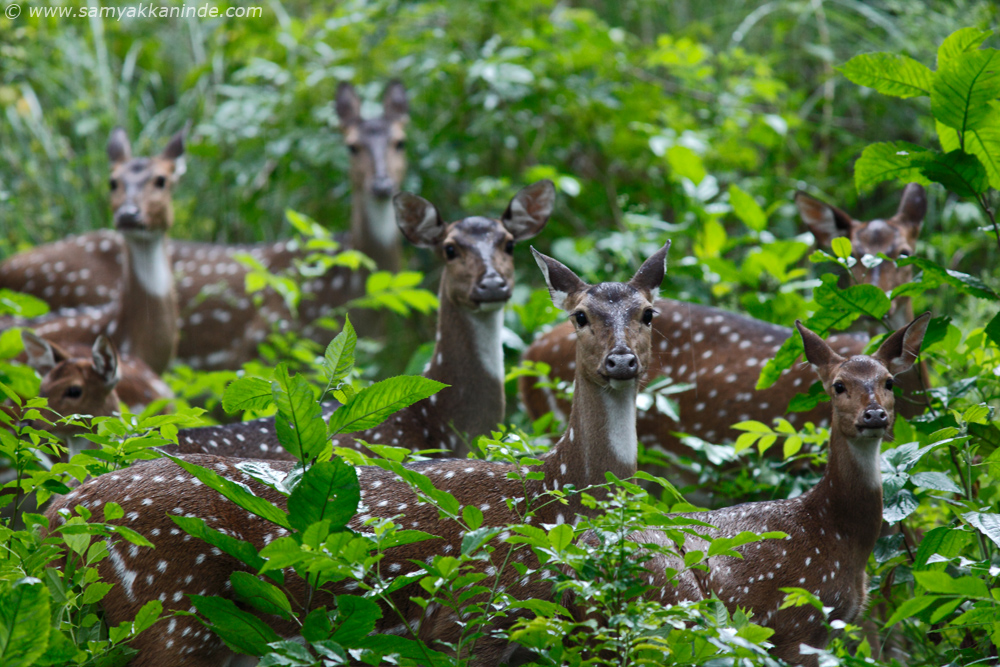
[(160, 182), (647, 316), (450, 252), (889, 384), (509, 248), (73, 391), (581, 318), (353, 148), (839, 387), (400, 145), (113, 183)]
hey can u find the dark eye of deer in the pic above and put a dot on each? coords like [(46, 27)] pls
[(839, 387), (353, 148), (888, 384), (581, 318), (450, 252), (509, 247), (114, 183), (400, 145), (74, 392), (160, 182), (647, 316)]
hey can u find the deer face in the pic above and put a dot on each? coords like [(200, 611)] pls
[(477, 252), (895, 237), (377, 145), (613, 321), (141, 188), (74, 385)]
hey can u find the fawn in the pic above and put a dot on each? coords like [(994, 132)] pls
[(613, 324), (831, 529)]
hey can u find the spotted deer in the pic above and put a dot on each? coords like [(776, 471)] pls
[(220, 324), (613, 324), (830, 530), (142, 320), (721, 353), (478, 258)]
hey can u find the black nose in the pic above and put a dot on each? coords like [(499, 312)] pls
[(621, 366), (491, 287), (875, 417), (383, 187), (127, 215)]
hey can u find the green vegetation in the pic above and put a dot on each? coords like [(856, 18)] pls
[(681, 120)]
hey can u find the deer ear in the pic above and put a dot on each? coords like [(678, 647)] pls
[(347, 104), (651, 273), (899, 351), (824, 221), (106, 361), (529, 210), (394, 103), (119, 148), (818, 353), (913, 206), (43, 356), (561, 280), (419, 220), (174, 152)]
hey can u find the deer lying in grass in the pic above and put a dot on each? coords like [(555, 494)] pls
[(831, 529), (613, 326), (721, 353)]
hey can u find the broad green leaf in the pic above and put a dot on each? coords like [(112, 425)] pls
[(747, 209), (963, 87), (937, 581), (911, 607), (371, 406), (841, 246), (992, 330), (260, 594), (472, 516), (959, 42), (887, 161), (328, 491), (988, 523), (339, 357), (95, 592), (236, 492), (24, 622), (862, 299), (147, 616), (899, 507), (686, 163), (944, 541), (960, 172), (299, 422), (22, 305), (247, 393), (561, 536), (983, 142), (964, 282), (889, 74), (938, 481), (357, 618), (241, 631), (238, 549)]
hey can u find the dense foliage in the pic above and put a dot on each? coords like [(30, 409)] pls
[(693, 121)]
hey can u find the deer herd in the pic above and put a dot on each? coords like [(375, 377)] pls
[(126, 303)]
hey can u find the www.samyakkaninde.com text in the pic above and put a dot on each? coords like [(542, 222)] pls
[(144, 10)]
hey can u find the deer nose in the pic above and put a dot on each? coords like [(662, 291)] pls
[(383, 187), (127, 215), (875, 417), (621, 365), (491, 287)]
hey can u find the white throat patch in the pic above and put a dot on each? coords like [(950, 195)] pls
[(149, 263), (619, 406), (487, 329), (381, 221)]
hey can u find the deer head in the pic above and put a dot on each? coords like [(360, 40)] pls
[(141, 188), (377, 145), (74, 385)]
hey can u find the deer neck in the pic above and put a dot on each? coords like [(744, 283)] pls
[(468, 356), (600, 438), (147, 326), (374, 231), (849, 497)]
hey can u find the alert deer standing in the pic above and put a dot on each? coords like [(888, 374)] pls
[(831, 529), (721, 353), (142, 320), (613, 325), (220, 326)]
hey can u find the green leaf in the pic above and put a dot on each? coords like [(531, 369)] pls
[(841, 247), (887, 161), (238, 549), (937, 581), (938, 481), (964, 282), (992, 330), (328, 491), (911, 607), (747, 209), (561, 536), (899, 507), (686, 163), (357, 619), (339, 357), (148, 615), (889, 74), (95, 592), (963, 87), (24, 622), (961, 41), (983, 142), (241, 631), (472, 516), (299, 422), (960, 172), (247, 394), (236, 492), (260, 594), (371, 406), (862, 299), (987, 523), (22, 305)]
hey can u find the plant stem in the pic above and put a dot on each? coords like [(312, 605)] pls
[(985, 205)]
